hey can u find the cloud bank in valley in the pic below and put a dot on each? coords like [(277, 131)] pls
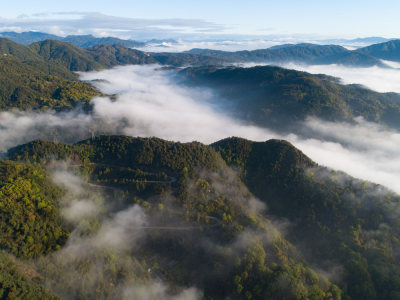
[(364, 150), (150, 103)]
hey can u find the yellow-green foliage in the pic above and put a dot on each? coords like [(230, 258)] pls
[(29, 223), (20, 281), (25, 86)]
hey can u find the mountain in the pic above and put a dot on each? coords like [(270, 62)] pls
[(8, 47), (109, 56), (300, 53), (86, 41), (277, 97), (29, 57), (27, 38), (106, 56), (37, 85), (333, 223), (83, 41), (165, 177), (161, 41), (358, 41), (309, 196), (275, 94), (389, 50), (66, 54)]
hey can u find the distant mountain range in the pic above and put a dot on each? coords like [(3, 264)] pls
[(96, 53), (366, 41), (83, 41), (306, 53)]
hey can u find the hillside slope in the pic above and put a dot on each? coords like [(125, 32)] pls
[(273, 96), (331, 221)]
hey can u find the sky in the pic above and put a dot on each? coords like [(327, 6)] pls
[(174, 18)]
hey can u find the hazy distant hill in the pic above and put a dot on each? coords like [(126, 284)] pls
[(362, 41), (83, 41), (27, 38), (389, 50), (301, 53)]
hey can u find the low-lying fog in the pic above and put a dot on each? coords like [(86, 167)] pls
[(149, 103)]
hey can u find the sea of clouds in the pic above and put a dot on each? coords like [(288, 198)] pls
[(150, 103)]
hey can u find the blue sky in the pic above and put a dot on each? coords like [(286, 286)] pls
[(351, 18)]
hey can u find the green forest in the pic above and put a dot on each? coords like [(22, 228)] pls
[(324, 234)]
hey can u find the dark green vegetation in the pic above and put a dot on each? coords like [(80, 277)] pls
[(273, 96), (334, 225)]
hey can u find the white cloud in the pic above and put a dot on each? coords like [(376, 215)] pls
[(92, 22), (150, 104), (223, 45), (364, 150)]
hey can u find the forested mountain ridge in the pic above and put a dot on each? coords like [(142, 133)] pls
[(66, 54), (331, 221), (306, 53), (273, 96), (300, 53), (180, 184), (389, 50), (38, 85)]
